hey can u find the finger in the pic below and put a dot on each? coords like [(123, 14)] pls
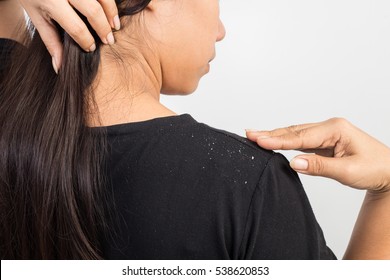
[(254, 135), (94, 12), (51, 39), (284, 142), (65, 16), (320, 152), (321, 136), (279, 131), (111, 11), (339, 169)]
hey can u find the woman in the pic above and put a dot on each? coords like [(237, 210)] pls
[(168, 187)]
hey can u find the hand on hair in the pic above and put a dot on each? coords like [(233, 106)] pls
[(338, 150), (101, 14)]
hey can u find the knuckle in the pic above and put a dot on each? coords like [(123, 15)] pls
[(283, 143), (94, 11), (273, 132), (297, 131), (302, 132), (341, 129), (340, 122), (317, 166), (349, 171), (77, 31), (293, 129)]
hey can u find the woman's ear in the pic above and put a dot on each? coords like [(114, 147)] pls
[(151, 6)]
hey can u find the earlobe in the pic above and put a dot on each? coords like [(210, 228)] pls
[(150, 6)]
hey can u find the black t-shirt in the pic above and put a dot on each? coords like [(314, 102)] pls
[(184, 190)]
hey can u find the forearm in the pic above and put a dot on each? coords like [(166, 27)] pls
[(11, 20), (371, 235)]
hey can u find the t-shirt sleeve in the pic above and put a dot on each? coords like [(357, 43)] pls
[(280, 222)]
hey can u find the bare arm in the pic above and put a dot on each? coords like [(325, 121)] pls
[(341, 151), (371, 235)]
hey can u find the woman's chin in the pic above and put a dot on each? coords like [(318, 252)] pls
[(184, 90)]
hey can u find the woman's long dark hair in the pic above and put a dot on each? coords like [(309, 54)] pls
[(53, 203)]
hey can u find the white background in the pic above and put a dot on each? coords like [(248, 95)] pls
[(286, 62)]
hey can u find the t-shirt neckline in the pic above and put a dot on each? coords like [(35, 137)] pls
[(155, 122)]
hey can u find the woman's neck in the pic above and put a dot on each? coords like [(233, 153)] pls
[(12, 21), (127, 90)]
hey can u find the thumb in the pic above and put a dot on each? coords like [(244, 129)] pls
[(334, 168), (51, 39)]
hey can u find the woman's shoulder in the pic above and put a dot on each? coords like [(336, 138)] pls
[(232, 152), (182, 141), (219, 184)]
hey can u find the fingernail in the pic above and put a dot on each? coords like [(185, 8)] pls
[(117, 23), (92, 48), (110, 39), (55, 67), (299, 164), (256, 133)]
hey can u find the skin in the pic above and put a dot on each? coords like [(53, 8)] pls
[(341, 151), (130, 91), (151, 52), (11, 20), (337, 150)]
